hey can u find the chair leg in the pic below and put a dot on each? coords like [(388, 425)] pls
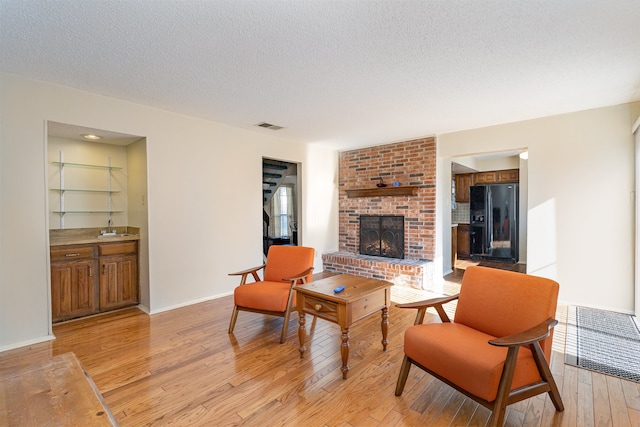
[(234, 317), (285, 325), (402, 377), (545, 373), (502, 399)]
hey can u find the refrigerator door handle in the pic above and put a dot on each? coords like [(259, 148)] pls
[(489, 221)]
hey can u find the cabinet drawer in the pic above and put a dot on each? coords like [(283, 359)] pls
[(324, 309), (70, 253), (122, 248), (365, 306)]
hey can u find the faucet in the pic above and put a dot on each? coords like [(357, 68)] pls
[(109, 226)]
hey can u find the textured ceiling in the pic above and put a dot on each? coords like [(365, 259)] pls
[(342, 73)]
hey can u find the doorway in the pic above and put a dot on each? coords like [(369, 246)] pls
[(280, 203), (491, 170)]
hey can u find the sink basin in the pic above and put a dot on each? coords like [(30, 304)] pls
[(107, 235)]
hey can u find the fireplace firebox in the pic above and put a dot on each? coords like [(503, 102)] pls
[(382, 235)]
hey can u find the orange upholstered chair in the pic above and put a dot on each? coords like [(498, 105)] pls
[(285, 267), (497, 349)]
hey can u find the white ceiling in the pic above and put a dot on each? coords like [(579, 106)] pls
[(342, 73)]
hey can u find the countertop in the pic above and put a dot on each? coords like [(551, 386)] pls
[(83, 236)]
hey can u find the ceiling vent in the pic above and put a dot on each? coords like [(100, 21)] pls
[(269, 126)]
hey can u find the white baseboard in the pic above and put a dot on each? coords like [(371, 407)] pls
[(187, 303), (27, 343)]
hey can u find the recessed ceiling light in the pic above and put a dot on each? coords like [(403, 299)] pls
[(92, 137)]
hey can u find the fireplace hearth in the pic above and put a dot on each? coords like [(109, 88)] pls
[(382, 235)]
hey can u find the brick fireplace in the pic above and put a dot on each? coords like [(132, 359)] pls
[(412, 164)]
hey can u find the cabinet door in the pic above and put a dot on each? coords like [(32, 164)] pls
[(73, 289), (509, 175), (463, 241), (485, 177), (463, 182), (118, 282)]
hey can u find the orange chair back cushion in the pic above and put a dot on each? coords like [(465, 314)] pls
[(501, 303), (287, 261)]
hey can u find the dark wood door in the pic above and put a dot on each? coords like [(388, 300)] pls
[(463, 241), (73, 289), (463, 182), (118, 282)]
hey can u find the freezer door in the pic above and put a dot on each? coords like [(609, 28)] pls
[(501, 216), (477, 204)]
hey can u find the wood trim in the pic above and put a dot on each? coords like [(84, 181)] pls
[(408, 190)]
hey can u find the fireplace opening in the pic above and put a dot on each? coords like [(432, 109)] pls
[(382, 235)]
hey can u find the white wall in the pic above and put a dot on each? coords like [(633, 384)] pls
[(580, 198), (204, 199), (137, 213)]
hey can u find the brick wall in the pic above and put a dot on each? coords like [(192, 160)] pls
[(410, 163), (416, 274)]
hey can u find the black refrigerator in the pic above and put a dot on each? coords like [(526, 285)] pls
[(493, 223)]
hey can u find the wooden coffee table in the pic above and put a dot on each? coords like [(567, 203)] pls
[(56, 392), (360, 298)]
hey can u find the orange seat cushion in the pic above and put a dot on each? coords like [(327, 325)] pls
[(270, 296), (463, 356)]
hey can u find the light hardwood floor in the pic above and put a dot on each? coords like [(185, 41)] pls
[(182, 368)]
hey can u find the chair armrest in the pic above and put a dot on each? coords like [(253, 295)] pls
[(432, 302), (303, 275), (253, 271), (250, 270), (530, 336)]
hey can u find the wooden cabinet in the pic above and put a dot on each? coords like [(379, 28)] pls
[(73, 282), (118, 275), (509, 175), (493, 177), (73, 289), (88, 279), (480, 178), (463, 183), (463, 241)]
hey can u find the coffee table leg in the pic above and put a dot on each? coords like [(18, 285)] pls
[(344, 351), (385, 327), (302, 332)]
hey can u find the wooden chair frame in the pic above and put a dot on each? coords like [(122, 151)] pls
[(506, 396), (286, 314)]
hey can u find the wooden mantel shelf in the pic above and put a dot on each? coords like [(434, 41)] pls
[(409, 190)]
